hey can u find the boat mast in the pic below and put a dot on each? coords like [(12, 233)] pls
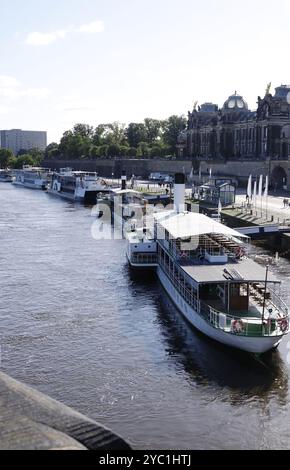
[(265, 293)]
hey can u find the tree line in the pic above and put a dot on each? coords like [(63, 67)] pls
[(148, 139)]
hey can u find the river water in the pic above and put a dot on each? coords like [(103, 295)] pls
[(78, 325)]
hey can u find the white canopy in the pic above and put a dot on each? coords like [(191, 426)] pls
[(190, 224)]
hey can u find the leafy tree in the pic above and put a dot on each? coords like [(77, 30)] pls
[(5, 156), (94, 152), (74, 146), (116, 133), (156, 151), (52, 151), (143, 150), (124, 150), (171, 130), (19, 162), (84, 130), (104, 150), (132, 152), (135, 133), (99, 135), (113, 150), (153, 128)]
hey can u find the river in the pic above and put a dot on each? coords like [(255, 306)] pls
[(78, 325)]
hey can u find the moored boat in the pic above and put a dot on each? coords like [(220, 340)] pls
[(31, 177), (205, 268), (77, 185), (6, 176)]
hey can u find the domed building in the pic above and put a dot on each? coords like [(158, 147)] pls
[(236, 132), (235, 103)]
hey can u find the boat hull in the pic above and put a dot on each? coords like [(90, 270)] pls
[(39, 186), (88, 197), (255, 345)]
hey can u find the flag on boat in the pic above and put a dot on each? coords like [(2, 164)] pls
[(266, 192), (255, 193), (191, 175), (261, 186), (249, 190)]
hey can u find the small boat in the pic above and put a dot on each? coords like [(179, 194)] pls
[(77, 185), (31, 177), (6, 176), (205, 268)]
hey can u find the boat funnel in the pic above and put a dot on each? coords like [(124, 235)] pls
[(179, 192), (124, 181)]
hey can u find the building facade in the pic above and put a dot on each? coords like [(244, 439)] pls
[(17, 140), (235, 132)]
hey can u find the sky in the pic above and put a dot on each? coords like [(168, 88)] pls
[(98, 61)]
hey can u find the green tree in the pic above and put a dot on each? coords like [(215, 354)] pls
[(143, 150), (124, 150), (27, 159), (99, 135), (5, 156), (135, 133), (132, 152), (94, 152), (156, 151), (153, 129), (171, 130), (113, 150), (84, 130), (104, 150), (52, 151), (74, 145)]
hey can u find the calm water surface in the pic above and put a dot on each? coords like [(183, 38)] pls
[(78, 325)]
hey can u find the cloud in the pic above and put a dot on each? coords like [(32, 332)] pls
[(8, 82), (92, 28), (11, 88), (44, 39)]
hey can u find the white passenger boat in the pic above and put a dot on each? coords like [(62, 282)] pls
[(31, 177), (77, 185), (205, 268), (6, 176)]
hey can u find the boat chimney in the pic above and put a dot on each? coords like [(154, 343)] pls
[(179, 192), (124, 181)]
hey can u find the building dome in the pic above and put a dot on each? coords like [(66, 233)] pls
[(235, 103)]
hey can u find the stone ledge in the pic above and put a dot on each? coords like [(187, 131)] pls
[(30, 420)]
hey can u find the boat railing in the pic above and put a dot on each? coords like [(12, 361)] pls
[(189, 296), (244, 326), (142, 258), (279, 303)]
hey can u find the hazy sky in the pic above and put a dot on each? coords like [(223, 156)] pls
[(95, 61)]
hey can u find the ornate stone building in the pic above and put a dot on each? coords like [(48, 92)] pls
[(234, 132)]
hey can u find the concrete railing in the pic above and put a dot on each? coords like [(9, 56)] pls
[(30, 420)]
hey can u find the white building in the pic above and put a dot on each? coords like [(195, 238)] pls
[(17, 140)]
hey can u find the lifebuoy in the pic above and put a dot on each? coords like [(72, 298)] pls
[(238, 326), (283, 325)]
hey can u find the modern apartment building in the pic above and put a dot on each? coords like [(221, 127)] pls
[(17, 140)]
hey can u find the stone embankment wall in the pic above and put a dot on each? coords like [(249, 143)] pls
[(239, 170)]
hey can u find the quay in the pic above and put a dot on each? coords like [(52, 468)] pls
[(30, 420)]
